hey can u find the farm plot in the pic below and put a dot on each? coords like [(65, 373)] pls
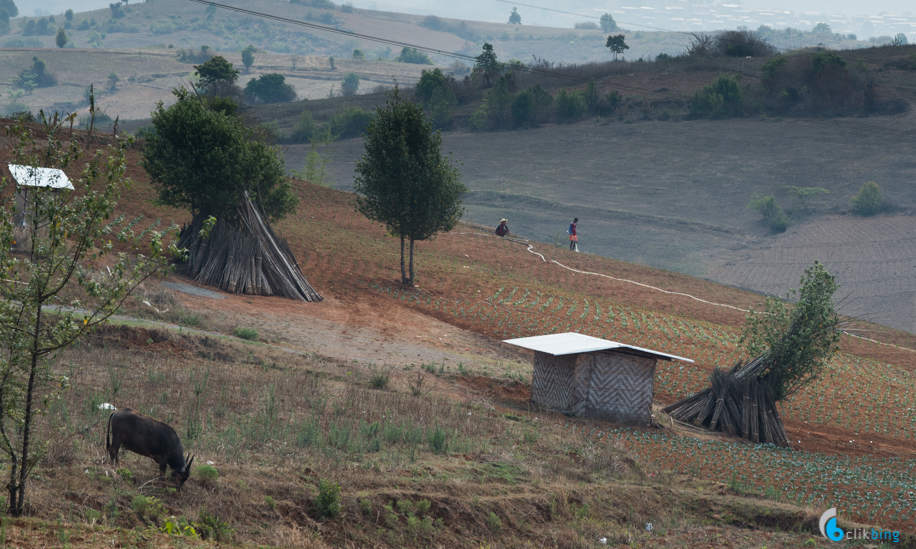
[(868, 490), (855, 394)]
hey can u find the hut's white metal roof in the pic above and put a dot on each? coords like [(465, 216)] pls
[(30, 176), (571, 343)]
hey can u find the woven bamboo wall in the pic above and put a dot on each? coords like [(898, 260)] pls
[(620, 388), (552, 384)]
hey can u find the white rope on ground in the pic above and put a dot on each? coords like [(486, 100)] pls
[(531, 248)]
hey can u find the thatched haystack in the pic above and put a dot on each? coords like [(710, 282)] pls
[(247, 258)]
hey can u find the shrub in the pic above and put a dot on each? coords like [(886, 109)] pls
[(772, 213), (270, 502), (570, 105), (587, 25), (328, 500), (365, 507), (211, 527), (721, 99), (245, 333), (742, 43), (438, 440), (36, 76), (350, 122), (494, 524), (379, 380), (869, 200), (350, 84), (206, 474), (442, 105), (270, 88), (411, 55)]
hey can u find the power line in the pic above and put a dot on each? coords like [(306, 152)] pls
[(548, 73)]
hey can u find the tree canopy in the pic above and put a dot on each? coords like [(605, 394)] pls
[(204, 159), (797, 341), (10, 7), (514, 17), (216, 69), (607, 23), (616, 44), (486, 63), (270, 88), (403, 180), (248, 57)]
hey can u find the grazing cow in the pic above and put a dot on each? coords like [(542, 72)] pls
[(148, 437)]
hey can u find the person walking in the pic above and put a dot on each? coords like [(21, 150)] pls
[(503, 228), (573, 236)]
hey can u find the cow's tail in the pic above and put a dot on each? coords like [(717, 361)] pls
[(108, 432)]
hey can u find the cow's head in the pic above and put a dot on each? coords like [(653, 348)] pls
[(182, 475)]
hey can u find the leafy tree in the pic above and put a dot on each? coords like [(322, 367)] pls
[(514, 17), (205, 160), (117, 11), (442, 105), (822, 28), (411, 55), (350, 84), (429, 81), (50, 296), (61, 39), (797, 341), (721, 99), (486, 64), (608, 24), (403, 180), (68, 15), (270, 88), (899, 40), (869, 200), (616, 44), (358, 54), (216, 69), (10, 7), (113, 80), (37, 76), (248, 57)]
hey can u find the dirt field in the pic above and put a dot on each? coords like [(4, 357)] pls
[(674, 195)]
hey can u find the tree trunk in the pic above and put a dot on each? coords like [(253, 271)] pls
[(16, 510), (411, 262), (403, 269)]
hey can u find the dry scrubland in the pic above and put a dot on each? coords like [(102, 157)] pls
[(450, 453)]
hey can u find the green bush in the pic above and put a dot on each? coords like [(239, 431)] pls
[(350, 122), (438, 440), (869, 200), (429, 82), (328, 500), (206, 474), (211, 527), (442, 105), (350, 84), (379, 380), (571, 106), (305, 128), (245, 333), (772, 213), (494, 523), (270, 88), (721, 99), (411, 55)]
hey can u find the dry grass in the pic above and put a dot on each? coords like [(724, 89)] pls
[(414, 470)]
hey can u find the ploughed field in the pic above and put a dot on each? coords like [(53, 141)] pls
[(674, 195)]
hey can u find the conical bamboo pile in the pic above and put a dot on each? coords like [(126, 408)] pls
[(738, 403), (247, 259)]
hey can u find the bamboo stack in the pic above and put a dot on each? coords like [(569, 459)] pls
[(244, 259), (738, 403)]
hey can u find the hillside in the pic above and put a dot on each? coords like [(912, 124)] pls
[(407, 400)]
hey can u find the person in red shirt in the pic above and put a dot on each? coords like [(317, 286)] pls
[(573, 236)]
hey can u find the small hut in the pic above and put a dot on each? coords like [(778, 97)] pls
[(28, 178), (586, 376)]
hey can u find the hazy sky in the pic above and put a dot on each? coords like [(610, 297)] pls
[(492, 10)]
